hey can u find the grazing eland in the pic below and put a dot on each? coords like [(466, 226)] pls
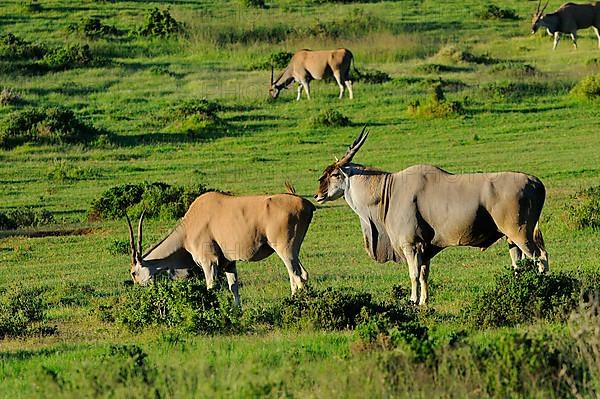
[(219, 229), (413, 214), (307, 65), (567, 19)]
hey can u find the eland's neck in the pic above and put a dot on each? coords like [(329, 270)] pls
[(365, 188)]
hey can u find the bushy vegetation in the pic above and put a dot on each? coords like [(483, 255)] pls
[(64, 171), (523, 296), (94, 28), (436, 105), (372, 76), (455, 54), (13, 48), (330, 117), (515, 68), (158, 199), (25, 218), (184, 305), (198, 119), (45, 126), (253, 3), (588, 88), (160, 23), (583, 209), (277, 60), (516, 91), (68, 57), (492, 11), (22, 312)]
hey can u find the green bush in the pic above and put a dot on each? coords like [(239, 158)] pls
[(588, 88), (583, 210), (68, 57), (22, 311), (253, 3), (523, 296), (93, 28), (196, 118), (184, 305), (515, 68), (13, 48), (455, 54), (492, 11), (160, 23), (63, 171), (158, 199), (278, 60), (330, 117), (25, 218), (372, 76), (45, 126), (436, 105)]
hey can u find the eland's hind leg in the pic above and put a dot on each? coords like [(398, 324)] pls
[(531, 244), (297, 273), (232, 281), (515, 253)]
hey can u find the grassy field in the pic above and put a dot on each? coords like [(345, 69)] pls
[(518, 115)]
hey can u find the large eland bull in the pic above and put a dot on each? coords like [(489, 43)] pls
[(415, 213), (567, 19), (307, 65), (220, 229)]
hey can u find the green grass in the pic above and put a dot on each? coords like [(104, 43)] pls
[(512, 121)]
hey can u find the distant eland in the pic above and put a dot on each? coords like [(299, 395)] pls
[(414, 214), (567, 19), (307, 65)]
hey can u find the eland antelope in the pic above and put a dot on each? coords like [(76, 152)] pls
[(567, 19), (220, 229), (307, 65), (413, 214)]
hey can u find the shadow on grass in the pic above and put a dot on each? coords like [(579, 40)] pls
[(529, 110), (47, 232)]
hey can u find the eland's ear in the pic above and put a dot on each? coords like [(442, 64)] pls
[(346, 174)]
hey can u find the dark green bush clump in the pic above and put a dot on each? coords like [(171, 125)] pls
[(330, 118), (196, 118), (93, 28), (515, 91), (515, 68), (436, 105), (25, 218), (523, 296), (184, 305), (13, 48), (588, 88), (372, 76), (158, 199), (45, 126), (494, 12), (69, 57), (337, 309), (278, 60), (584, 208), (22, 311), (160, 23), (64, 171), (455, 54), (253, 3)]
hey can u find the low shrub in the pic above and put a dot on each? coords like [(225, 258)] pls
[(160, 23), (330, 117), (515, 68), (492, 11), (45, 126), (515, 91), (64, 171), (198, 119), (119, 247), (68, 57), (455, 54), (253, 3), (157, 198), (372, 76), (583, 210), (13, 48), (9, 96), (278, 60), (588, 88), (435, 68), (523, 296), (436, 105), (25, 218), (70, 294), (93, 28), (184, 305), (22, 312)]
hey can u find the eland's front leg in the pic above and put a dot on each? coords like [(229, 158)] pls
[(232, 281), (414, 257)]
